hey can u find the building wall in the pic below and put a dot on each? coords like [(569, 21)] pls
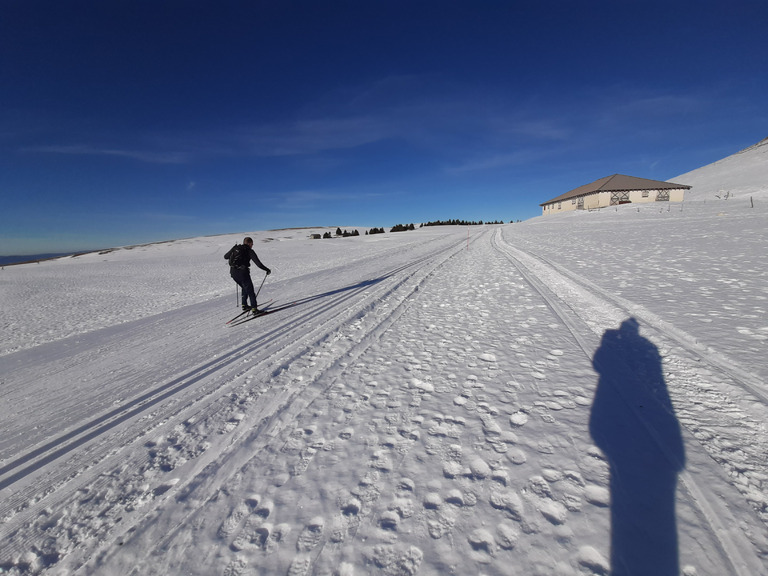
[(603, 200), (677, 195), (599, 200), (588, 202), (640, 196)]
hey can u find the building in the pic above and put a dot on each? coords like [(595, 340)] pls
[(615, 190)]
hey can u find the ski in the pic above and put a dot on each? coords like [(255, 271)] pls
[(244, 312), (258, 314), (263, 312)]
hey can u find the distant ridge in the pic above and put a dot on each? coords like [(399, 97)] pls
[(762, 142), (11, 260)]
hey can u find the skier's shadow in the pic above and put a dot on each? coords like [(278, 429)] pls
[(634, 424)]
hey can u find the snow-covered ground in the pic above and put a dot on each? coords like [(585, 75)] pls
[(569, 395), (741, 175)]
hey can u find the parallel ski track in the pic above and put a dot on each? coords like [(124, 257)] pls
[(268, 428), (26, 463), (93, 445), (734, 548), (716, 361)]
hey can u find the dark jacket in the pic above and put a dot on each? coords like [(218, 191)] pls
[(251, 256)]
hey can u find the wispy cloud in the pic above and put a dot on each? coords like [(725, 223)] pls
[(437, 119), (311, 198), (499, 160), (315, 135), (620, 108), (152, 156), (536, 129), (660, 105), (303, 137)]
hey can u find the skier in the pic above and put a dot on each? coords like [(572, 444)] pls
[(239, 257)]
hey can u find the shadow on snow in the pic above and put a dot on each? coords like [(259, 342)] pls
[(634, 424)]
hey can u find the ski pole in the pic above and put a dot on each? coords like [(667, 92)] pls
[(262, 284)]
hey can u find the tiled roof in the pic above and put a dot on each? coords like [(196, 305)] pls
[(616, 183)]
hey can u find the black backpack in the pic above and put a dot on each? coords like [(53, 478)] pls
[(238, 256)]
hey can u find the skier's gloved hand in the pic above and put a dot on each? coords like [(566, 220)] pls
[(269, 271)]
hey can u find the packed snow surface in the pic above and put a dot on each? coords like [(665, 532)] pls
[(571, 395), (743, 175)]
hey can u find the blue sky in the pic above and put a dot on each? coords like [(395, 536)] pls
[(125, 122)]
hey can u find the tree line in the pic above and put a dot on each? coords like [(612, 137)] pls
[(462, 223), (407, 227)]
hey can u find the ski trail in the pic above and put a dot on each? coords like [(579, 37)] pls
[(174, 431), (409, 458), (735, 413), (571, 284), (602, 312), (430, 417), (273, 420)]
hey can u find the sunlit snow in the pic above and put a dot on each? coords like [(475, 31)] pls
[(575, 394)]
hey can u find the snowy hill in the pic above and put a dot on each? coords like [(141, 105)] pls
[(569, 396), (739, 176)]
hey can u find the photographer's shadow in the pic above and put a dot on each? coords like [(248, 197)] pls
[(634, 424)]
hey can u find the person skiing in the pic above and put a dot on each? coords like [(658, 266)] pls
[(239, 257)]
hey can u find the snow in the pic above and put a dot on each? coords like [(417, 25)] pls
[(416, 403), (740, 175)]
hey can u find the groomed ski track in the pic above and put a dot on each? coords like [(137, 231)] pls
[(586, 311), (154, 393), (197, 420)]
